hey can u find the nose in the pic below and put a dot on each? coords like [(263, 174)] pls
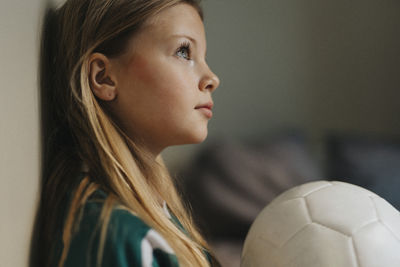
[(209, 81)]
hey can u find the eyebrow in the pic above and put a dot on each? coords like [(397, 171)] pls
[(186, 36)]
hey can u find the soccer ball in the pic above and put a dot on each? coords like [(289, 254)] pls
[(324, 224)]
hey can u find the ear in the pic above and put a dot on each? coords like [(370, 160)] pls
[(102, 81)]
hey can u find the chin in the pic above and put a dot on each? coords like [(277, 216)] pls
[(200, 140), (194, 135), (197, 137)]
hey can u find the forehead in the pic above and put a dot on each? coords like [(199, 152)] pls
[(181, 19)]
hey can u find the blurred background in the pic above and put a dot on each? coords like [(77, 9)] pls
[(317, 66), (309, 90)]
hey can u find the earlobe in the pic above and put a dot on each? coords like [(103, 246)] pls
[(102, 82)]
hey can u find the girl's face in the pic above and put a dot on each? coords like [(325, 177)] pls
[(164, 85)]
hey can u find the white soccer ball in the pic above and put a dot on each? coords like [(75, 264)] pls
[(324, 224)]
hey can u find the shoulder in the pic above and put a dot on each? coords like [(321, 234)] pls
[(129, 241)]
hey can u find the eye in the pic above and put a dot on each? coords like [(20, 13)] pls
[(184, 51)]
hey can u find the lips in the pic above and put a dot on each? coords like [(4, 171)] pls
[(208, 105), (206, 109)]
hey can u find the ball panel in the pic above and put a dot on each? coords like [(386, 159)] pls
[(376, 246), (354, 187), (317, 245), (301, 191), (258, 253), (278, 223), (389, 216), (341, 208)]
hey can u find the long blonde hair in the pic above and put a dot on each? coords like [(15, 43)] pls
[(77, 128)]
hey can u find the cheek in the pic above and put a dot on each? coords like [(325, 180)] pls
[(160, 87), (150, 76), (162, 81), (141, 70)]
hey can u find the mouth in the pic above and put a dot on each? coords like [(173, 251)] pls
[(206, 109), (208, 105)]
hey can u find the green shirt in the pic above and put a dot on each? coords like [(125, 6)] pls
[(129, 241)]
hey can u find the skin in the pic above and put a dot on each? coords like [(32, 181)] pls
[(154, 89)]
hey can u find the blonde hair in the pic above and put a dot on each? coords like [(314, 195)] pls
[(78, 128)]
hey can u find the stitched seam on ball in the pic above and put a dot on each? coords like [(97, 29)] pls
[(355, 254), (300, 230), (375, 208), (307, 209), (330, 228), (317, 189), (390, 230), (365, 225), (382, 222), (262, 238)]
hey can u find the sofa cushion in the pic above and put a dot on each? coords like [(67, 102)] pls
[(230, 182)]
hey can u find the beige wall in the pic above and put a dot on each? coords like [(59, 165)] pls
[(19, 139)]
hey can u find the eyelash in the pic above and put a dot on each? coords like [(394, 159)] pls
[(184, 48)]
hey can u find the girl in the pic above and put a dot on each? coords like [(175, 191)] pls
[(121, 80)]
